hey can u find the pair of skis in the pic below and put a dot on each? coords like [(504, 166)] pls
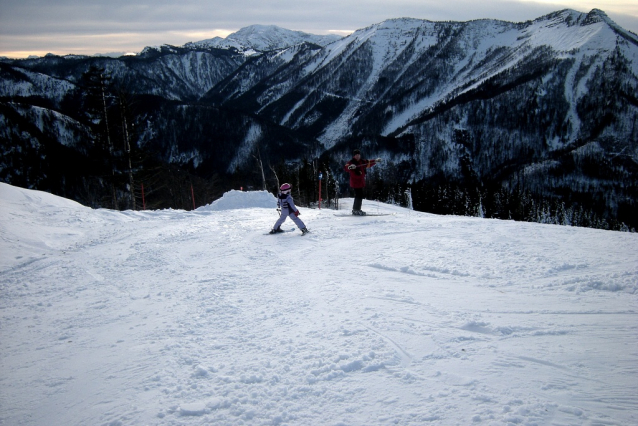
[(364, 215), (286, 231)]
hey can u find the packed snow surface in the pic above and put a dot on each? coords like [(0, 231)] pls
[(198, 318)]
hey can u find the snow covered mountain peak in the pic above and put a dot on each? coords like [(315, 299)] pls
[(571, 17), (262, 38)]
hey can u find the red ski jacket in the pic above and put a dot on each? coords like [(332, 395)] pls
[(358, 175)]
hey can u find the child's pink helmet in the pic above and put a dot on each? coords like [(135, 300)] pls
[(285, 188)]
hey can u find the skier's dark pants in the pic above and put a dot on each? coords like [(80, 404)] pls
[(358, 198)]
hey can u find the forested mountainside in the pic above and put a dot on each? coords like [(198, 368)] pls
[(532, 121)]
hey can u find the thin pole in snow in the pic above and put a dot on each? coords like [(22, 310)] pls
[(320, 176), (143, 200)]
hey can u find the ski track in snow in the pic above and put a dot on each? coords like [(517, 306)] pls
[(191, 318)]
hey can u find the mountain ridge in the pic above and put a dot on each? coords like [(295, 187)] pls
[(526, 105), (373, 35)]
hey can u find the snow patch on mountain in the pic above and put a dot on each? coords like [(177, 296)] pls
[(29, 83), (64, 129), (185, 157), (245, 150), (388, 40), (567, 31)]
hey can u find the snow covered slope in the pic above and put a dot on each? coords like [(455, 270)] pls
[(193, 318)]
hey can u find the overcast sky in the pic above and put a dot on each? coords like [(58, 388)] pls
[(37, 27)]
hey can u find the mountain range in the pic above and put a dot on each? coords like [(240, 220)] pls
[(545, 109)]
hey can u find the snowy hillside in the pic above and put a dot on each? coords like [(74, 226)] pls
[(400, 70), (193, 318)]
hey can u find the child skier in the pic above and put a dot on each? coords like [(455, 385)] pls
[(288, 208)]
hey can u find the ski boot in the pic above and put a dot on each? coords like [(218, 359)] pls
[(304, 231), (276, 231)]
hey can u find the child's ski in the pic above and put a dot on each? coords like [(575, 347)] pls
[(365, 215), (282, 231)]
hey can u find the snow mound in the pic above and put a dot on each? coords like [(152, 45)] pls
[(32, 199), (242, 200)]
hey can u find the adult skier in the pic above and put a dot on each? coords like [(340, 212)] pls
[(357, 167), (288, 209)]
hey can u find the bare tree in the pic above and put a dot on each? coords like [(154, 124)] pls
[(127, 147), (261, 168), (103, 80), (274, 172)]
